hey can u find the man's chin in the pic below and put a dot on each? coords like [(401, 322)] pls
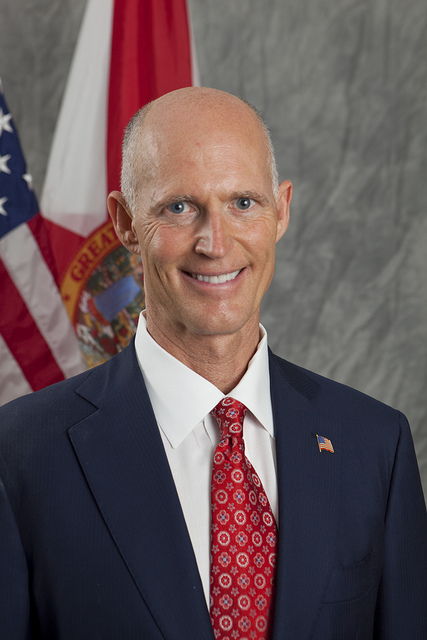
[(221, 327)]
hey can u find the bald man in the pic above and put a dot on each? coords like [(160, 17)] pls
[(196, 485)]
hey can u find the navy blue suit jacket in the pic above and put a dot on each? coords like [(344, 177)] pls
[(93, 543)]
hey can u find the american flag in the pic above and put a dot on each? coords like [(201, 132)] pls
[(324, 443), (37, 342)]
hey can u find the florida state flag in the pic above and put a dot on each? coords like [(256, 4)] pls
[(129, 52)]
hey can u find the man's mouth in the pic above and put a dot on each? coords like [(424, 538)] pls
[(223, 277)]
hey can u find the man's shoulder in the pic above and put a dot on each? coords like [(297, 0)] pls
[(65, 403), (335, 410), (327, 394), (38, 415)]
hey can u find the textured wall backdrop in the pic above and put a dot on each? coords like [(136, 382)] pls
[(343, 85)]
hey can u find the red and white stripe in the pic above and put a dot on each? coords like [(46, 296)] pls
[(37, 342)]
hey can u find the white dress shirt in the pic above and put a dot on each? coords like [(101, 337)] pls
[(182, 401)]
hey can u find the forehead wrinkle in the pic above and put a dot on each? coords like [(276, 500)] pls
[(215, 147)]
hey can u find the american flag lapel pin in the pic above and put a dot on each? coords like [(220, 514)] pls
[(324, 444)]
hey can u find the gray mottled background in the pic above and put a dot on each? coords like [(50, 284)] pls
[(343, 85)]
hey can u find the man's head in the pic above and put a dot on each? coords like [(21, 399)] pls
[(132, 146), (202, 208)]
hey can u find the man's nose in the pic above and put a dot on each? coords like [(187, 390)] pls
[(214, 237)]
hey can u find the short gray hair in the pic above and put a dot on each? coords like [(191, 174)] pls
[(130, 150), (272, 156), (130, 154)]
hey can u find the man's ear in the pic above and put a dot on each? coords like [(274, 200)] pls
[(123, 221), (284, 198)]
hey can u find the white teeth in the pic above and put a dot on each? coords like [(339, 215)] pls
[(224, 277)]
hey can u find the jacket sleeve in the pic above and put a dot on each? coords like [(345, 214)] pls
[(14, 591), (402, 599)]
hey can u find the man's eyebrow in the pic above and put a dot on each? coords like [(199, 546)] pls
[(175, 197), (253, 195)]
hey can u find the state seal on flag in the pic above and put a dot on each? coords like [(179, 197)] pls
[(103, 293)]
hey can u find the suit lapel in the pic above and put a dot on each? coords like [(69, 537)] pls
[(123, 459), (308, 493)]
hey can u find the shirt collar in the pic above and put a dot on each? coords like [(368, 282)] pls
[(181, 398)]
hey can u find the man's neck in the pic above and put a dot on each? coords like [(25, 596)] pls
[(221, 359)]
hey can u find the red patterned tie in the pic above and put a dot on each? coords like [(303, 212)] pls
[(244, 535)]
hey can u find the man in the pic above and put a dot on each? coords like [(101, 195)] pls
[(105, 512)]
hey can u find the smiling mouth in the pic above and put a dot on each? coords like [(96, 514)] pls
[(224, 277)]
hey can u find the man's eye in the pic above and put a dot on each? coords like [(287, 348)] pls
[(244, 203), (178, 207)]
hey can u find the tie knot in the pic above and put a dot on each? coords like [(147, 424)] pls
[(230, 414)]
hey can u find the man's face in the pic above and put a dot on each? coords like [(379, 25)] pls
[(206, 224)]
